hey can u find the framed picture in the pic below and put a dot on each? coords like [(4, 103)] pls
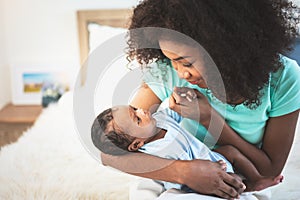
[(30, 84)]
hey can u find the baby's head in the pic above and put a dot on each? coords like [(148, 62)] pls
[(120, 129)]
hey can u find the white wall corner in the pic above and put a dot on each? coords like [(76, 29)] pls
[(5, 88)]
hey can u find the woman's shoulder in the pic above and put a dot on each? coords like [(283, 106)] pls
[(290, 68), (285, 87), (288, 72)]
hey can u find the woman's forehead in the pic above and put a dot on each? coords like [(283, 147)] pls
[(178, 49)]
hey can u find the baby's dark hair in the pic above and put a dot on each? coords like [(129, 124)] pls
[(109, 141), (244, 38)]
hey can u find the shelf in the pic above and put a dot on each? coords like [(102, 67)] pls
[(20, 114)]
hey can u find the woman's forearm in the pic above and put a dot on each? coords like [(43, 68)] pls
[(203, 176), (146, 166), (277, 141), (229, 137)]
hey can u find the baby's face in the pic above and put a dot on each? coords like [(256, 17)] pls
[(135, 122)]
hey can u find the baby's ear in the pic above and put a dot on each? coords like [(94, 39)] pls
[(136, 144)]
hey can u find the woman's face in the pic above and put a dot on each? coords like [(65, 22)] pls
[(186, 61)]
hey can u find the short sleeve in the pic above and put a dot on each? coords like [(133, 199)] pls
[(285, 97), (162, 78)]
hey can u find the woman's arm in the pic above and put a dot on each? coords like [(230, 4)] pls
[(277, 141), (203, 176)]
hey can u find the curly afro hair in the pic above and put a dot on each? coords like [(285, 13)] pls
[(110, 142), (244, 37)]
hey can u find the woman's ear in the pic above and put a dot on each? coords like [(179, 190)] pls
[(136, 144)]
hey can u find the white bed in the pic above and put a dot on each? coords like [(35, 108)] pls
[(50, 162)]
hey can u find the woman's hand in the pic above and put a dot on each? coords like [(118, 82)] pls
[(207, 177), (191, 104)]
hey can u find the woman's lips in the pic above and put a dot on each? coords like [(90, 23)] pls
[(194, 82)]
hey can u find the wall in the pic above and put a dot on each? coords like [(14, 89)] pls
[(4, 70), (42, 33)]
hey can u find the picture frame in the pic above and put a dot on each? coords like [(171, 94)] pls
[(29, 82)]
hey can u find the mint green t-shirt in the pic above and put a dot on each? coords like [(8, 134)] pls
[(281, 96)]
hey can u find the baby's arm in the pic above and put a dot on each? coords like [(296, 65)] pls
[(254, 180)]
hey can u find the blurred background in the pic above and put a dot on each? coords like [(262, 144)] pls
[(39, 39)]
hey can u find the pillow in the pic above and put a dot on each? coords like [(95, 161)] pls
[(100, 33), (114, 85)]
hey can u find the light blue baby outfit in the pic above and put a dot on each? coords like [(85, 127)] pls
[(178, 144)]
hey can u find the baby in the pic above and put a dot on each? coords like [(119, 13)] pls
[(123, 129)]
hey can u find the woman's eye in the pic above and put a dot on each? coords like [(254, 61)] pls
[(187, 64)]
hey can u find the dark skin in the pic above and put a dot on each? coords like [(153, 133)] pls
[(204, 176), (240, 54), (279, 131), (242, 166), (270, 159), (213, 182)]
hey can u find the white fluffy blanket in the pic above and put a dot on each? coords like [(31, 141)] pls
[(49, 162)]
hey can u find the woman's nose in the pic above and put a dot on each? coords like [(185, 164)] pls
[(183, 74), (186, 75)]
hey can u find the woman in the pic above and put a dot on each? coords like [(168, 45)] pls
[(257, 114)]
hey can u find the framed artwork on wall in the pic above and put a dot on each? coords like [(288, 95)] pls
[(31, 84)]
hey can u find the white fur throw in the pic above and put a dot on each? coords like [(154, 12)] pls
[(49, 162)]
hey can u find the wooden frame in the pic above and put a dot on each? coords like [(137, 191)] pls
[(114, 18)]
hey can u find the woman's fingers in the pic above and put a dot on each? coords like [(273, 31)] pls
[(183, 95), (181, 89), (184, 101), (199, 94), (190, 95), (207, 177), (232, 181), (186, 93), (222, 194), (230, 187), (177, 97), (228, 192)]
